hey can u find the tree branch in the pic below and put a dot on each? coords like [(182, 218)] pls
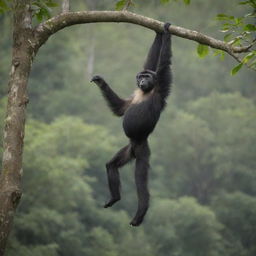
[(44, 30)]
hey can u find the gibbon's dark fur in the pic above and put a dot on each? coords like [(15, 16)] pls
[(141, 113)]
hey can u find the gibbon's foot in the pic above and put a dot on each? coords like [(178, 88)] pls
[(166, 27), (111, 202), (136, 221)]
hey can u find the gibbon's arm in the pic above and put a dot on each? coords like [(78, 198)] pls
[(164, 75), (153, 54), (115, 103)]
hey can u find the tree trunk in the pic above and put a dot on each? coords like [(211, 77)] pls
[(10, 179)]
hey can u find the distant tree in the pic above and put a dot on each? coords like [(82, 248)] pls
[(211, 147), (237, 211), (183, 227)]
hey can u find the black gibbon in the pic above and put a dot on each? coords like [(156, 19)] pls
[(141, 112)]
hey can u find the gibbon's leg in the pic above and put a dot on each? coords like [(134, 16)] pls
[(142, 154), (122, 157)]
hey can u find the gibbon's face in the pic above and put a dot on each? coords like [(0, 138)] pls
[(146, 80)]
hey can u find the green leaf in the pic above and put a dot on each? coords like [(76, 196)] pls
[(244, 2), (238, 20), (252, 3), (227, 37), (39, 15), (3, 6), (236, 69), (237, 42), (225, 27), (187, 2), (217, 52), (220, 53), (52, 4), (202, 50), (250, 27), (120, 5), (43, 11), (223, 16), (248, 57)]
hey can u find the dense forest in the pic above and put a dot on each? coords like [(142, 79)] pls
[(203, 165)]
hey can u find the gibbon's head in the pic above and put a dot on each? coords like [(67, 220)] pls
[(146, 80)]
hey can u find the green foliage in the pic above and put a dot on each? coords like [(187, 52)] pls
[(62, 210), (183, 227), (252, 3), (246, 60), (240, 31), (102, 240), (239, 227), (249, 27), (219, 53), (210, 135), (64, 156), (124, 4), (41, 250), (249, 56), (5, 5), (186, 2), (202, 50), (42, 9), (120, 4), (236, 69)]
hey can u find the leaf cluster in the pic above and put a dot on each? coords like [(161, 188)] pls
[(241, 31), (42, 9), (186, 2), (5, 6)]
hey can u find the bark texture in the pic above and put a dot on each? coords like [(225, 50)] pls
[(10, 179)]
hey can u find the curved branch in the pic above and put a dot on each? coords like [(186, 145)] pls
[(44, 30)]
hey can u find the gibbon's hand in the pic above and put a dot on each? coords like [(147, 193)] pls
[(166, 27), (98, 80)]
